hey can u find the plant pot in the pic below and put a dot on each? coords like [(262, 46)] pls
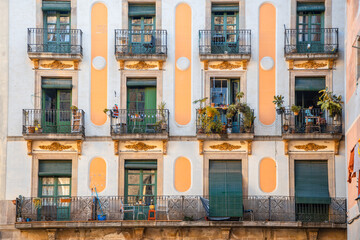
[(31, 129), (229, 130), (200, 130), (336, 117), (212, 104), (296, 113), (279, 111), (286, 127), (101, 217), (248, 129)]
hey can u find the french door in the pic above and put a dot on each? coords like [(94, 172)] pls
[(57, 31)]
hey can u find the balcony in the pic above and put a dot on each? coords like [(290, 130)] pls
[(139, 125), (311, 124), (311, 44), (239, 127), (55, 44), (225, 45), (141, 45), (53, 124), (175, 211)]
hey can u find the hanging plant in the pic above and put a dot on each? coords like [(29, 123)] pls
[(328, 101)]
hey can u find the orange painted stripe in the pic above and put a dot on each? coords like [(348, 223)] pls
[(267, 175), (267, 48), (99, 47), (182, 174), (183, 78), (97, 174)]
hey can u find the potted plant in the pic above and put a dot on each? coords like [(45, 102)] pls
[(295, 109), (161, 123), (279, 101), (37, 126), (248, 117), (74, 109), (330, 102), (201, 112)]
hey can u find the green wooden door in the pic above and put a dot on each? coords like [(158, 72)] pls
[(225, 189), (56, 114), (224, 37), (142, 38), (310, 36), (141, 106), (57, 31)]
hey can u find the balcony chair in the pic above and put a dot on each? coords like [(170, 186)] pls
[(126, 208)]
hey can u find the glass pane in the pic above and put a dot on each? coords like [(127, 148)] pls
[(140, 96), (219, 20), (65, 96), (63, 180), (51, 19), (47, 191), (231, 27), (133, 190), (64, 19), (47, 181), (149, 171), (141, 106), (219, 28), (231, 38), (316, 19), (147, 38), (136, 28), (148, 27), (132, 96), (219, 91), (136, 20), (148, 179), (231, 20), (63, 190), (148, 190), (136, 38), (315, 37), (148, 20), (132, 106), (133, 179)]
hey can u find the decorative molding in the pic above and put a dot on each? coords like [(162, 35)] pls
[(56, 65), (310, 147), (79, 146), (122, 64), (286, 147), (291, 64), (201, 147), (249, 147), (244, 64), (311, 64), (225, 65), (141, 65), (161, 64), (140, 146), (336, 147), (36, 63), (164, 147), (55, 146), (206, 65), (225, 147), (29, 147), (331, 63), (76, 65), (116, 147)]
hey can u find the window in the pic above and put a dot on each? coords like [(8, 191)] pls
[(54, 188), (56, 103), (225, 23), (225, 188), (223, 91), (311, 190), (310, 22), (307, 91)]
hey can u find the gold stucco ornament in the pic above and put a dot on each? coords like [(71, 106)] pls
[(55, 146), (140, 146), (310, 147), (225, 147)]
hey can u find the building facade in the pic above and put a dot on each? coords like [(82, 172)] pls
[(123, 110)]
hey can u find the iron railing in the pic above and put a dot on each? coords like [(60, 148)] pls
[(140, 42), (256, 208), (133, 121), (67, 41), (310, 121), (225, 42), (322, 40), (237, 124), (38, 121)]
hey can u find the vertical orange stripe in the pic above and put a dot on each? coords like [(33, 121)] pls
[(97, 174), (267, 48), (99, 47), (183, 78), (182, 174), (267, 175)]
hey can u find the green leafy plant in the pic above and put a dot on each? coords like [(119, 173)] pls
[(208, 118), (279, 101), (161, 123), (328, 101), (295, 109)]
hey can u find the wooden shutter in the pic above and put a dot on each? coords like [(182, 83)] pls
[(56, 6), (131, 164), (309, 84), (150, 98), (56, 83), (136, 10), (311, 182), (224, 8), (141, 82), (310, 7), (61, 168)]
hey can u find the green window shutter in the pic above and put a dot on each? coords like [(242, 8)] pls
[(55, 168), (310, 7), (311, 182), (225, 8), (225, 189), (56, 83), (141, 10), (133, 82), (56, 6), (309, 84), (150, 98), (132, 164)]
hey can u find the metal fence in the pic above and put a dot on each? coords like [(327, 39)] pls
[(42, 40), (133, 121), (310, 121), (189, 208), (322, 40), (140, 42), (38, 121), (237, 124), (225, 42)]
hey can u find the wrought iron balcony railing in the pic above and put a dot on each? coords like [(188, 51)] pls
[(311, 121), (322, 40), (38, 121), (140, 42), (240, 123), (225, 42), (61, 41), (145, 122), (255, 208)]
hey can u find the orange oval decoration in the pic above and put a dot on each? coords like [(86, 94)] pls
[(182, 174), (267, 175), (97, 174)]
